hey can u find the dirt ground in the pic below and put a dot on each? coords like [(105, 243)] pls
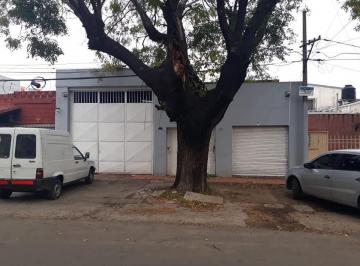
[(130, 198)]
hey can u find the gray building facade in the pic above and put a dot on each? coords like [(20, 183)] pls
[(265, 124)]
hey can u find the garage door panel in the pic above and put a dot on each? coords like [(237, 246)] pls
[(111, 151), (139, 112), (111, 131), (115, 127), (138, 151), (112, 113), (84, 131), (138, 167), (260, 151), (111, 167), (139, 131), (84, 112)]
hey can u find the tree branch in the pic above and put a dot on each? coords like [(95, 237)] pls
[(255, 30), (234, 70), (149, 26), (100, 41), (240, 17), (224, 25)]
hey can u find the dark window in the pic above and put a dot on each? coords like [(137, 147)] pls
[(350, 162), (77, 154), (25, 146), (5, 143), (112, 97), (326, 162), (139, 97), (85, 97)]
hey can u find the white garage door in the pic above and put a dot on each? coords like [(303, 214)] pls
[(115, 127), (260, 151), (172, 153)]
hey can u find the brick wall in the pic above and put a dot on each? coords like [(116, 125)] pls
[(37, 107), (335, 124)]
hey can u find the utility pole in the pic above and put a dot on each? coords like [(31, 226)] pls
[(305, 53), (304, 46)]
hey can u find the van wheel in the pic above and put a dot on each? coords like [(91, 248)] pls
[(55, 191), (90, 178), (5, 194), (296, 189)]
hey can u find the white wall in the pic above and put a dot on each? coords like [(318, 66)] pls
[(351, 108), (325, 96)]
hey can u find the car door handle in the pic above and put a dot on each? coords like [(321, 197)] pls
[(16, 165), (76, 161), (327, 177), (358, 179)]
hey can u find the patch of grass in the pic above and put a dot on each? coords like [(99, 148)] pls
[(173, 195)]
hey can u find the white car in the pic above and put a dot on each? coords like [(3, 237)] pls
[(332, 176), (40, 160)]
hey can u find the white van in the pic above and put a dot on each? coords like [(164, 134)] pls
[(33, 159)]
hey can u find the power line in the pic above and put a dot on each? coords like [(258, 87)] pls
[(334, 56), (342, 43), (73, 78), (50, 72), (50, 65)]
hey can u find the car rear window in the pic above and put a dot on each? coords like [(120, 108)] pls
[(25, 146), (5, 143)]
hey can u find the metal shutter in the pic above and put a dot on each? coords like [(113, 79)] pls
[(260, 151)]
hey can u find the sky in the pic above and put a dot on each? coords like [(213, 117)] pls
[(326, 18)]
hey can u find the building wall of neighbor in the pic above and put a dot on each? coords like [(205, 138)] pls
[(36, 107), (256, 104), (325, 97), (7, 85)]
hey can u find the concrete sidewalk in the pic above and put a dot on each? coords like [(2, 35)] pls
[(216, 180)]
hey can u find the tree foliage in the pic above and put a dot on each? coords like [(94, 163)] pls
[(40, 21), (353, 6)]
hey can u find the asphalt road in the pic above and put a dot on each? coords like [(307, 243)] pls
[(48, 242)]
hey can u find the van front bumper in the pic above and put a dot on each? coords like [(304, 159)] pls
[(37, 185)]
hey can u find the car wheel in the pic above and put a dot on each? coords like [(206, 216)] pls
[(90, 178), (296, 189), (5, 194), (55, 191)]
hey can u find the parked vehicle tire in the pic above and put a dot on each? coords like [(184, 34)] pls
[(5, 194), (90, 178), (296, 189), (55, 191)]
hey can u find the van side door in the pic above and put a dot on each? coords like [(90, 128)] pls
[(82, 168), (27, 156), (6, 147)]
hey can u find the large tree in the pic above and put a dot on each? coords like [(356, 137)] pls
[(353, 6), (173, 46)]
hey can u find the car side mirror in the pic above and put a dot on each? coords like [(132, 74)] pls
[(309, 166), (87, 155)]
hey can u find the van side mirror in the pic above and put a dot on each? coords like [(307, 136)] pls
[(87, 155), (309, 166)]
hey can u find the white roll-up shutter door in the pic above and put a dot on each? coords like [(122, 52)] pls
[(260, 151)]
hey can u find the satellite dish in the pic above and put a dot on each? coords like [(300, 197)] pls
[(38, 83)]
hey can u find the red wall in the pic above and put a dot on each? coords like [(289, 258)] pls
[(37, 107), (335, 124)]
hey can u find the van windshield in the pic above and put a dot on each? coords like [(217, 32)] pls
[(5, 142)]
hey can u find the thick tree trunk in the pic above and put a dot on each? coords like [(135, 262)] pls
[(192, 158)]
